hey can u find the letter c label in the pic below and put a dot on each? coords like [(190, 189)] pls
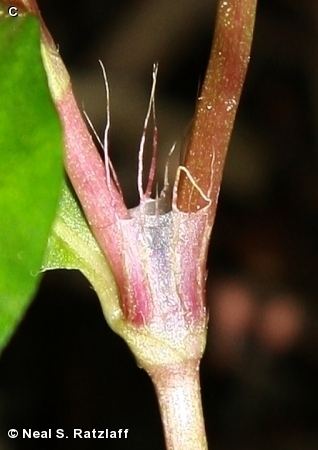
[(13, 11)]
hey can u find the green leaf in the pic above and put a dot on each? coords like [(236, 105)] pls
[(31, 167), (72, 246)]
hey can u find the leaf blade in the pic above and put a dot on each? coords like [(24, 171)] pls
[(31, 167)]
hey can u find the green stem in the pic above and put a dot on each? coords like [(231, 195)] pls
[(178, 391)]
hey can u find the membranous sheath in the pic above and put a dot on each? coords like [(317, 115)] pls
[(164, 254)]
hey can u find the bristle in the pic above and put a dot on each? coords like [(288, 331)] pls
[(194, 185), (166, 184), (153, 164), (151, 108), (157, 200), (113, 172), (105, 146)]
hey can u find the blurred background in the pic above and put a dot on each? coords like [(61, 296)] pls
[(64, 368)]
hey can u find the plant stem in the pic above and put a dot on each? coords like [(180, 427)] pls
[(178, 391), (217, 104)]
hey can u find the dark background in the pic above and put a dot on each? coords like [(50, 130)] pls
[(64, 367)]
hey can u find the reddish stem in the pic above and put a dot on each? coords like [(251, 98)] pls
[(217, 104)]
